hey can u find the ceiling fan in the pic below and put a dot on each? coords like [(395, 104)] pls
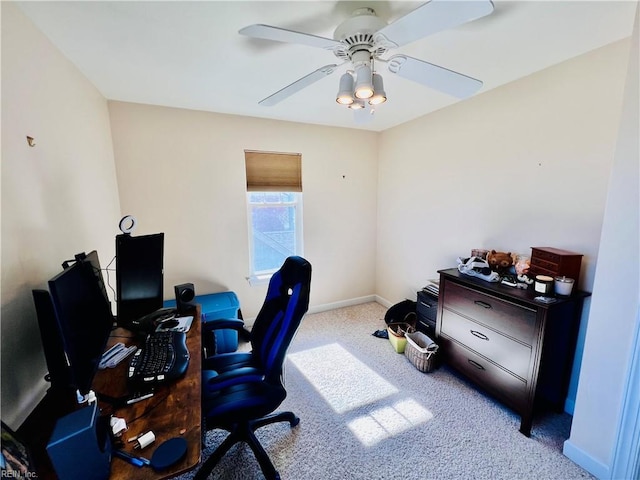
[(362, 41)]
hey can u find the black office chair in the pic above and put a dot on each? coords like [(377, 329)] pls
[(242, 390)]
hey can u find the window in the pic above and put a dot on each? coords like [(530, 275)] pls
[(274, 200)]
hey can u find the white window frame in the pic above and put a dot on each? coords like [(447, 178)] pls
[(263, 276)]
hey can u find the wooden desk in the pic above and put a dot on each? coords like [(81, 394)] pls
[(174, 408)]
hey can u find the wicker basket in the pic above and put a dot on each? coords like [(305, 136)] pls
[(421, 351)]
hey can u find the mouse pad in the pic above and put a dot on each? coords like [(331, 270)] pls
[(168, 453)]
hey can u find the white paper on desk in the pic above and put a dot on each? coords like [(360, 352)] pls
[(184, 324)]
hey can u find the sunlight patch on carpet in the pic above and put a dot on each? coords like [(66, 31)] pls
[(343, 381), (389, 421)]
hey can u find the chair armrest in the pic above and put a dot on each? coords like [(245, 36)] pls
[(219, 323), (236, 324)]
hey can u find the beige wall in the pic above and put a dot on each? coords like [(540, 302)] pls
[(520, 166), (182, 172), (59, 198)]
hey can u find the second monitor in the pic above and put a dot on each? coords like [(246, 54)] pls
[(139, 276)]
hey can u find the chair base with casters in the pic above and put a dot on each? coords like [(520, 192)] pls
[(244, 432), (259, 400)]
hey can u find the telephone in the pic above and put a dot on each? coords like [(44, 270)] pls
[(150, 321)]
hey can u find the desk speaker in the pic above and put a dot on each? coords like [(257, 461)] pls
[(80, 446), (185, 296)]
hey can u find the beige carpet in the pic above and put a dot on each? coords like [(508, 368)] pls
[(367, 413)]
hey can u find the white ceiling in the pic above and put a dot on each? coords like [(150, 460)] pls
[(190, 55)]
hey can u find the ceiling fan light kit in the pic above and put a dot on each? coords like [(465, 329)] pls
[(364, 38), (379, 95), (364, 84), (345, 92), (372, 90)]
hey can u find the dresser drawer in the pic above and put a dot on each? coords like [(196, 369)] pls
[(510, 354), (427, 312), (546, 254), (547, 265), (511, 389), (427, 306), (510, 319), (538, 270)]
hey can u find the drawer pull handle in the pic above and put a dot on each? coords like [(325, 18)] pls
[(475, 364), (482, 304), (426, 305), (480, 335)]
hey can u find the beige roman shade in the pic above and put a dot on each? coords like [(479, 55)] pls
[(273, 171)]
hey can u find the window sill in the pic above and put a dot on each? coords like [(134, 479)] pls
[(255, 280)]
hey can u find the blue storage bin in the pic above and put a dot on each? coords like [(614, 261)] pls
[(215, 306), (219, 305)]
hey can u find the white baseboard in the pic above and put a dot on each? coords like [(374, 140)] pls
[(586, 461), (383, 301), (328, 306), (343, 303)]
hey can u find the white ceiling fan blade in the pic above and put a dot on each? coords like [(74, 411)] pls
[(298, 85), (432, 17), (277, 34), (433, 76)]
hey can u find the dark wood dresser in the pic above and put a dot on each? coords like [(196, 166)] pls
[(515, 348)]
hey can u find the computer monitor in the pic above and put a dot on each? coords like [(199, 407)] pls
[(92, 258), (139, 276), (84, 317), (59, 373)]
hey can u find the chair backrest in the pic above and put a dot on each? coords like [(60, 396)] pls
[(286, 303)]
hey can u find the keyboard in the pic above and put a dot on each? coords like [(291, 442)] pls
[(163, 358)]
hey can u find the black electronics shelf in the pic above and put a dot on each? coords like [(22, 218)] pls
[(427, 311)]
